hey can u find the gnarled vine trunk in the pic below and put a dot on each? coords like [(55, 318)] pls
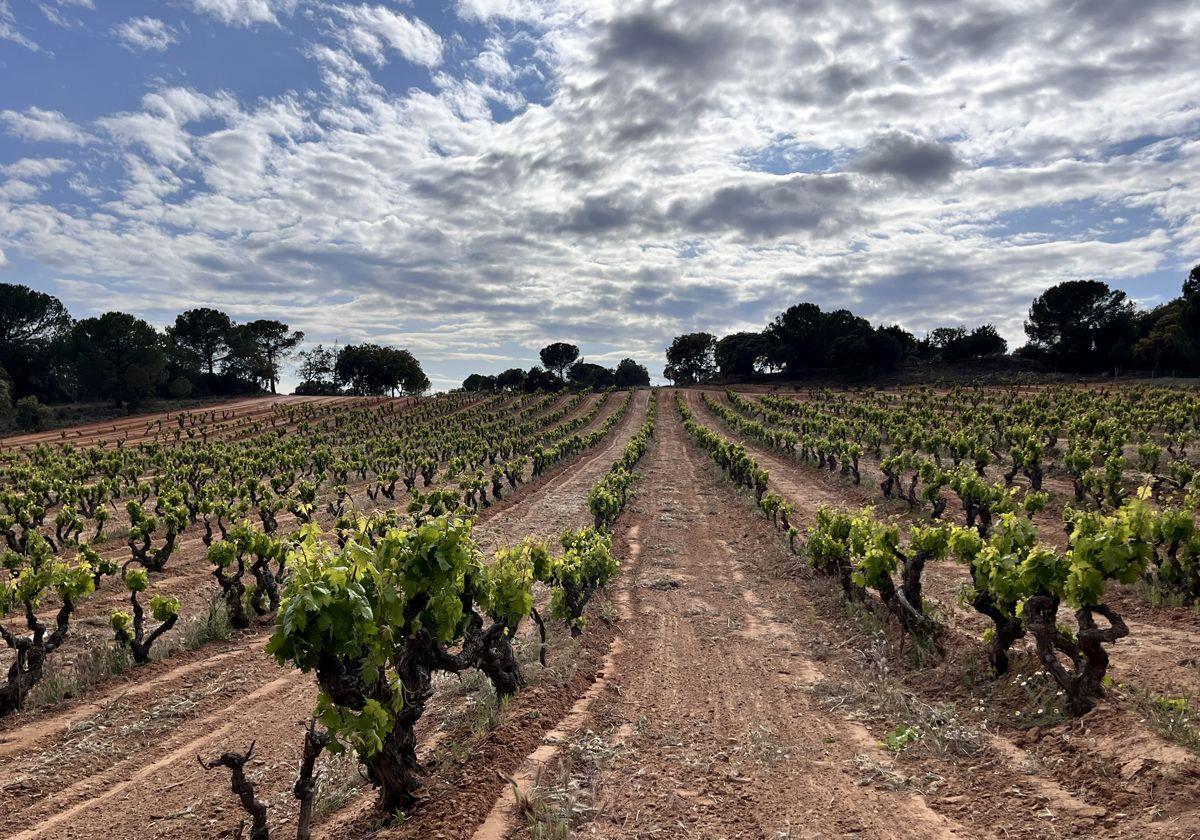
[(32, 650), (1083, 682)]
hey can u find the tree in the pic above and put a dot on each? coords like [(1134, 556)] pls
[(690, 358), (261, 346), (741, 355), (630, 374), (316, 370), (477, 382), (907, 341), (31, 323), (6, 402), (538, 379), (1191, 286), (801, 337), (797, 338), (363, 371), (369, 369), (205, 333), (415, 382), (850, 356), (511, 379), (984, 341), (118, 357), (841, 322), (1169, 345), (1071, 320), (558, 357), (939, 340), (1189, 315), (884, 351), (245, 361), (956, 344), (588, 375)]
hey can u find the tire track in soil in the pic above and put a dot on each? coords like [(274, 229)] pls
[(183, 752), (81, 762), (135, 683), (143, 795), (721, 739)]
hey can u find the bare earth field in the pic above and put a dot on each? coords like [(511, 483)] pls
[(720, 691)]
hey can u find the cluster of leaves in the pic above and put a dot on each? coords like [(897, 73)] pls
[(1017, 581), (865, 553), (374, 622), (130, 628)]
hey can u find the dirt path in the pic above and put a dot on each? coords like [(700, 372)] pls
[(714, 735), (148, 733)]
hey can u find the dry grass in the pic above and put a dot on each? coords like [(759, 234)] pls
[(97, 662), (876, 774), (339, 778), (559, 801)]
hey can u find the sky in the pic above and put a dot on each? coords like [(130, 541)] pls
[(473, 179)]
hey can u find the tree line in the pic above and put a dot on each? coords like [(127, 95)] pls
[(48, 357), (360, 369), (1079, 326), (561, 367)]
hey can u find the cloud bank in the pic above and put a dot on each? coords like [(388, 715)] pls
[(519, 171)]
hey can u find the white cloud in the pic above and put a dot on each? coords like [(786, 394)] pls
[(160, 127), (42, 126), (244, 12), (36, 167), (9, 30), (57, 12), (372, 30), (144, 34)]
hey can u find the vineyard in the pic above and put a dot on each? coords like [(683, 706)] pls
[(951, 612)]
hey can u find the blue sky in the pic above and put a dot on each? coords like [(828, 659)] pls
[(475, 178)]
